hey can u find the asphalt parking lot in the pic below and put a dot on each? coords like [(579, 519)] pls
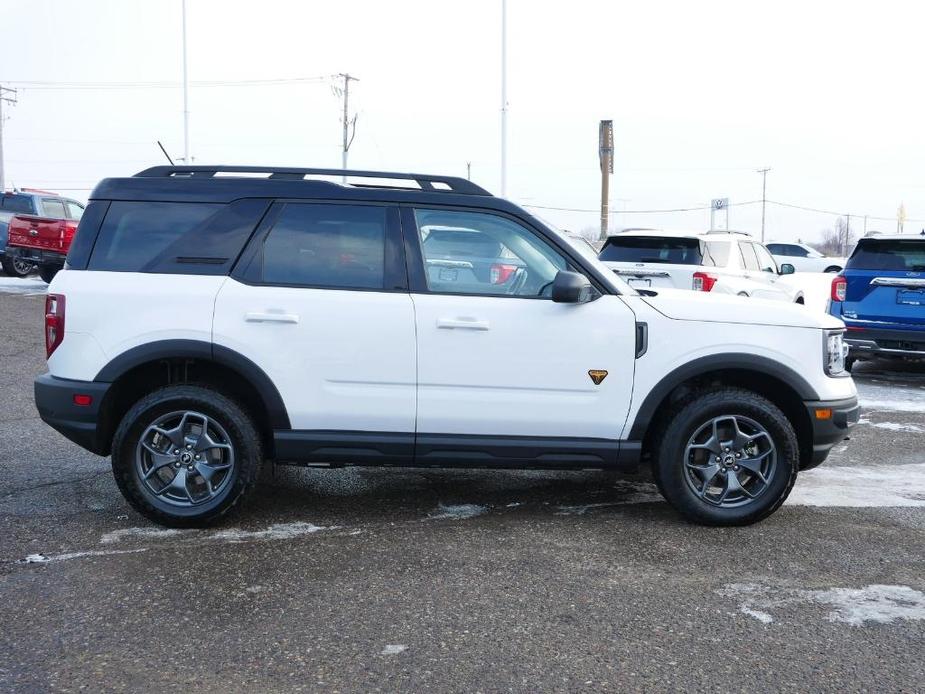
[(416, 580)]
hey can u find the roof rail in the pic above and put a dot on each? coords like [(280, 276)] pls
[(451, 184), (728, 231)]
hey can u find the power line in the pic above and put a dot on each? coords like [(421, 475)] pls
[(676, 209), (59, 86)]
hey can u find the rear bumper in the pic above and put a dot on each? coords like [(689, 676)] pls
[(900, 343), (37, 256), (831, 421), (54, 399)]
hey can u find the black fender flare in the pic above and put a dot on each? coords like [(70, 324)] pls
[(198, 349), (716, 362)]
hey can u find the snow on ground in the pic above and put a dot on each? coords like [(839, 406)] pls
[(27, 285), (459, 511), (866, 486), (881, 604)]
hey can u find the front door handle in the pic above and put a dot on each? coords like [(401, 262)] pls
[(465, 323), (270, 317)]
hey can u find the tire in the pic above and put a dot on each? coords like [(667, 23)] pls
[(833, 268), (683, 484), (16, 268), (179, 491), (745, 294), (48, 272), (849, 363), (800, 301)]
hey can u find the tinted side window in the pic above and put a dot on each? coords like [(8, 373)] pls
[(331, 246), (780, 249), (798, 252), (480, 253), (53, 209), (176, 238), (748, 256)]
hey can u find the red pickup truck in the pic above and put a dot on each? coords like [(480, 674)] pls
[(42, 241)]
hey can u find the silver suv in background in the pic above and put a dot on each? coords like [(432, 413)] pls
[(722, 262)]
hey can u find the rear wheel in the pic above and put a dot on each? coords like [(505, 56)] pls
[(728, 457), (833, 268), (186, 455), (16, 267), (48, 272)]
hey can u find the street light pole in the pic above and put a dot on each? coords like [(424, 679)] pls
[(764, 188), (186, 157), (503, 98)]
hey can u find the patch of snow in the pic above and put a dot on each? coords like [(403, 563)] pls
[(895, 426), (882, 604), (145, 533), (277, 531), (895, 405), (762, 617), (25, 285), (44, 559), (514, 504), (394, 649), (458, 511), (869, 486)]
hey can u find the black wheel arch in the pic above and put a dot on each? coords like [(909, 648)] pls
[(777, 382), (141, 369)]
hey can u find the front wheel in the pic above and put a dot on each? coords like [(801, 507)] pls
[(727, 457), (15, 267), (183, 456), (48, 272)]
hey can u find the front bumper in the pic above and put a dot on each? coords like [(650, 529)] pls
[(37, 256), (885, 342), (54, 399), (831, 421)]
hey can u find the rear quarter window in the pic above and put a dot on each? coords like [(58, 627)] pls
[(888, 254), (174, 238), (652, 249)]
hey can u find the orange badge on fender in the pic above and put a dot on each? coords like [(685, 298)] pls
[(597, 375)]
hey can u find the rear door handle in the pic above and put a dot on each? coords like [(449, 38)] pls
[(257, 317), (463, 324)]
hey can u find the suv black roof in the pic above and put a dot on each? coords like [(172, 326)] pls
[(227, 183)]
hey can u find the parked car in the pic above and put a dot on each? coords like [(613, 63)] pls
[(880, 296), (716, 261), (804, 258), (299, 321), (20, 258)]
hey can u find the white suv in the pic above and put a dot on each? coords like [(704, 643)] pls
[(208, 321), (721, 262), (804, 258)]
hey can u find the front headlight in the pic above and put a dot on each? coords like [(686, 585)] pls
[(835, 352)]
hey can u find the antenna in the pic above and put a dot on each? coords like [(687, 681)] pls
[(165, 152)]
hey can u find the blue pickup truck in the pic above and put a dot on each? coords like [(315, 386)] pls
[(39, 203), (880, 295)]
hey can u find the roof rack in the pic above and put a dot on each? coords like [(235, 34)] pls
[(451, 184), (728, 231)]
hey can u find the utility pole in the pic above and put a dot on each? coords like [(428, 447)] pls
[(764, 188), (503, 98), (350, 125), (847, 234), (8, 95), (605, 143), (186, 156)]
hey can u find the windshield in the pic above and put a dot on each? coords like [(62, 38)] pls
[(889, 254)]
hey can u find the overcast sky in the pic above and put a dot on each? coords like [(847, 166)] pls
[(827, 94)]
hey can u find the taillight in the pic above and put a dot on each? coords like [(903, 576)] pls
[(703, 282), (839, 289), (501, 273), (54, 322)]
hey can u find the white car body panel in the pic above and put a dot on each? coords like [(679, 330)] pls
[(121, 310), (521, 366), (341, 360), (812, 262)]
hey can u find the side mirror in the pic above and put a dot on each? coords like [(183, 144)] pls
[(786, 269), (572, 288)]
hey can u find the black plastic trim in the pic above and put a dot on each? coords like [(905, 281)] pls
[(642, 338), (54, 399), (828, 432), (761, 366), (194, 349), (406, 449)]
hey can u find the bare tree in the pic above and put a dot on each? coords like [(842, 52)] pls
[(835, 240)]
